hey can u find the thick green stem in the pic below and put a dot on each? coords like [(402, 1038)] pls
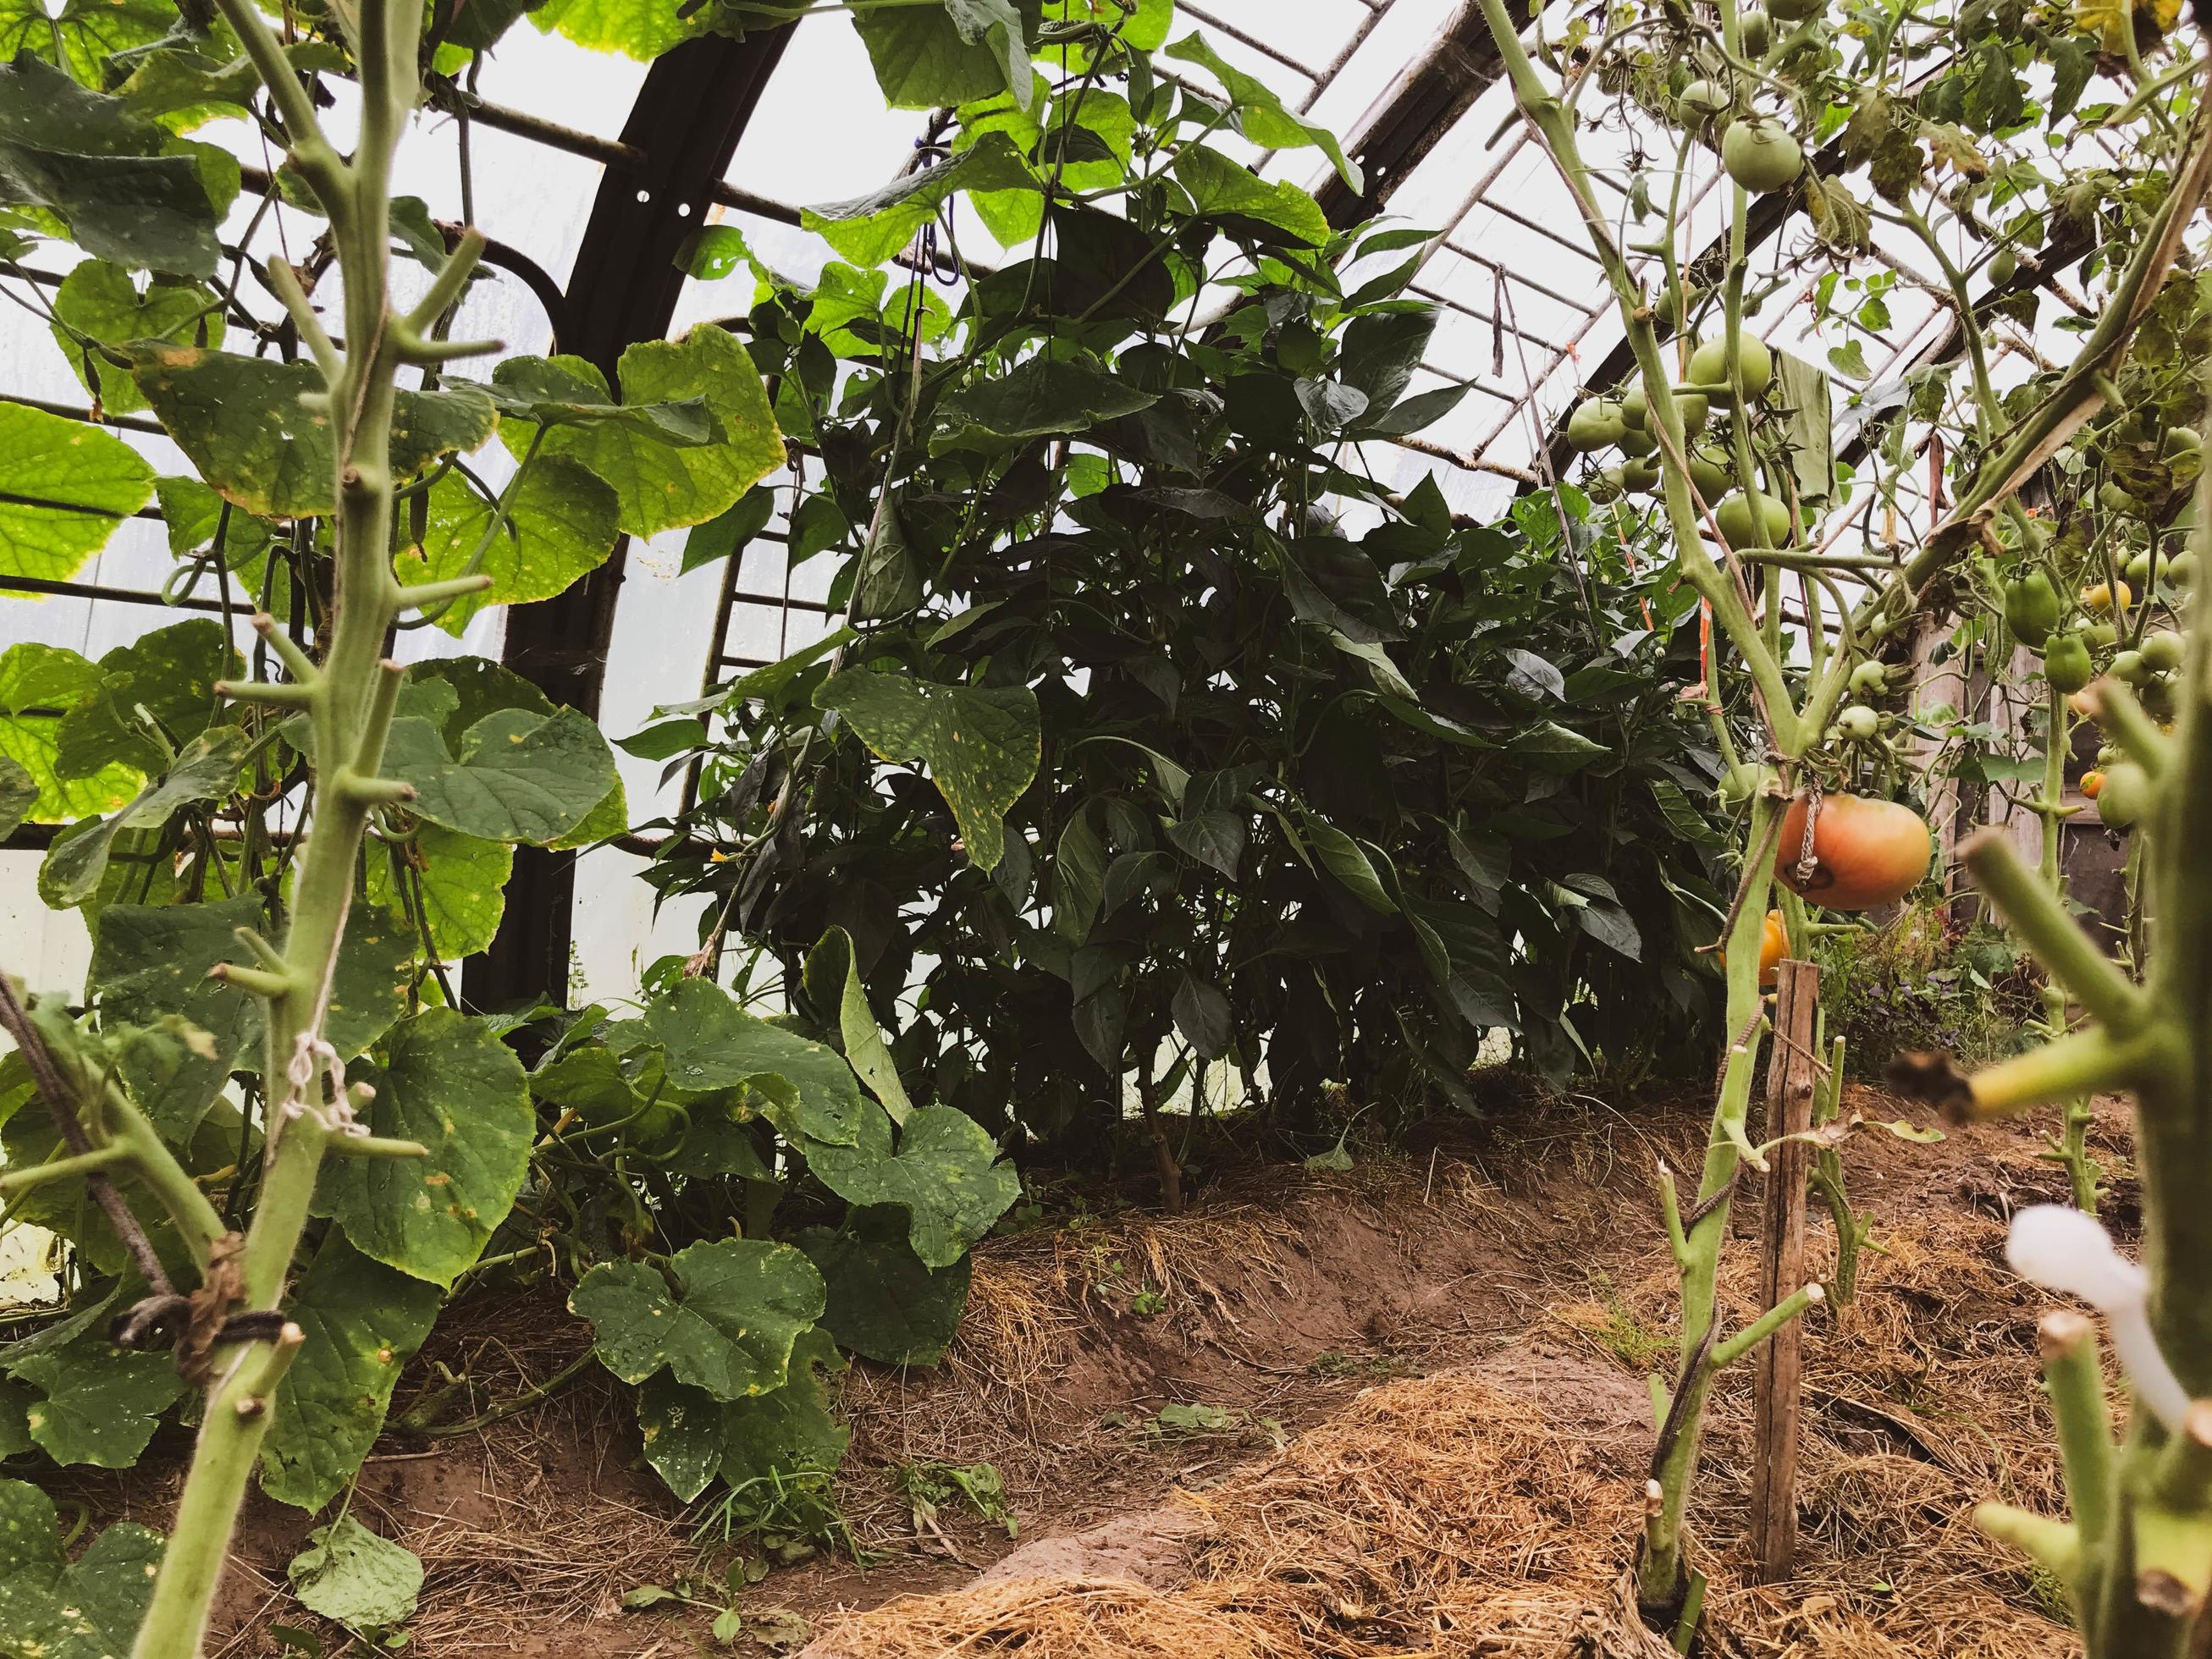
[(2138, 1556), (348, 696)]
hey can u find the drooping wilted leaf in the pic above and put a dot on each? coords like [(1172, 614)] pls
[(349, 1575), (982, 746)]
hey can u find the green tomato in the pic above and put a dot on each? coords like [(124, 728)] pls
[(1693, 407), (1639, 475), (1636, 409), (1710, 472), (2138, 571), (2180, 441), (1703, 100), (2130, 667), (2066, 663), (1596, 424), (2031, 607), (1636, 442), (2106, 754), (1603, 487), (1761, 155), (2126, 796), (2097, 635), (2004, 265), (1744, 525), (1870, 679), (1708, 369), (2181, 570), (1858, 721), (2162, 651), (1756, 31)]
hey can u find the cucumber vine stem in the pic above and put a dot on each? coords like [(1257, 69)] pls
[(349, 696)]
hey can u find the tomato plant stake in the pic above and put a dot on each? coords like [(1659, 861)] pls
[(350, 697)]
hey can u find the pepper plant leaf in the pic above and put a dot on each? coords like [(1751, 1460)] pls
[(832, 978), (982, 746)]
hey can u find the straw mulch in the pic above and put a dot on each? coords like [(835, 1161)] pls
[(1462, 1514)]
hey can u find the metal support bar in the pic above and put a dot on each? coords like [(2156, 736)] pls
[(686, 123)]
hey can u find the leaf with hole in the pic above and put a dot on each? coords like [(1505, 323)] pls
[(52, 1608)]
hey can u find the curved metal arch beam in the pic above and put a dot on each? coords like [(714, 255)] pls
[(690, 115)]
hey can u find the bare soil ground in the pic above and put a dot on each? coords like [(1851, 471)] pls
[(1422, 1430)]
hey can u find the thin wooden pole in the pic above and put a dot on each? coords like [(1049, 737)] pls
[(1789, 1080)]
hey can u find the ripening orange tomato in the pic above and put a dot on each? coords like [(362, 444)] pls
[(2098, 597), (1865, 851), (1774, 945), (2093, 784)]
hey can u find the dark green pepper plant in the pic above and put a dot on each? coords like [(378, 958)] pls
[(1253, 779)]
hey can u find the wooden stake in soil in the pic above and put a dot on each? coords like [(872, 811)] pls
[(1780, 1361)]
